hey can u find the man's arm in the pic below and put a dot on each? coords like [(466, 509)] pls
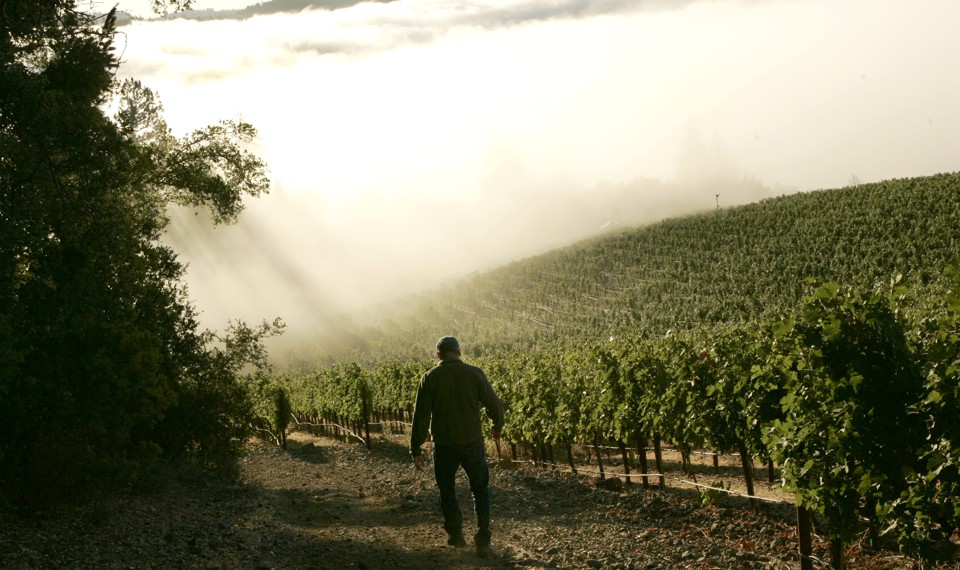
[(422, 411), (491, 402)]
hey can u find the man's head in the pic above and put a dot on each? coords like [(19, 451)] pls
[(447, 347)]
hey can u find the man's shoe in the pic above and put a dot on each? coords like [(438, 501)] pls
[(456, 540), (482, 540)]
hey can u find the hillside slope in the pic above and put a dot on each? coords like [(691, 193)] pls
[(728, 266)]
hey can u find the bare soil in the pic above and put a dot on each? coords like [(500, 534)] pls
[(325, 504)]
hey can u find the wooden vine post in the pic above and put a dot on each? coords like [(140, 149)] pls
[(573, 466), (596, 449), (626, 461), (642, 456), (836, 555), (364, 395), (804, 537), (658, 455), (747, 462)]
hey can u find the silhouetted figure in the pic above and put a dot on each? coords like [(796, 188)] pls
[(448, 404)]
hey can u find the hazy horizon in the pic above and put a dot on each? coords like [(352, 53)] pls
[(414, 142)]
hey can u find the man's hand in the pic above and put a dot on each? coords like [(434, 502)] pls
[(495, 434), (419, 462)]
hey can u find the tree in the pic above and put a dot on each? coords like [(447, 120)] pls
[(102, 367)]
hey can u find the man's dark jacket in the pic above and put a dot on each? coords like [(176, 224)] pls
[(450, 394)]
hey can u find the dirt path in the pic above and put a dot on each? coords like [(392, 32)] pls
[(322, 504), (336, 515)]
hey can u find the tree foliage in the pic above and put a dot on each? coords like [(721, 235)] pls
[(103, 370)]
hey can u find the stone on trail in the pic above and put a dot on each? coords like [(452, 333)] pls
[(609, 484)]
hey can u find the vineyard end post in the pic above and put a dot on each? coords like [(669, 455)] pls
[(804, 537), (366, 414)]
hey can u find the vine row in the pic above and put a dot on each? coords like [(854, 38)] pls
[(854, 395)]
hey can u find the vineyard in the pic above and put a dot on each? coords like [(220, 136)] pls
[(817, 333), (730, 266)]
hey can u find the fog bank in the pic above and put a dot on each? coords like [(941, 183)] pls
[(416, 141)]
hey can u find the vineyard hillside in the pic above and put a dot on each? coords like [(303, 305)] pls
[(816, 334), (722, 267)]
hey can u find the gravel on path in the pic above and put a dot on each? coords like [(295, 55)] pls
[(323, 504)]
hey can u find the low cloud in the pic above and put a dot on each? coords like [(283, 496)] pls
[(297, 256), (415, 141), (326, 27), (463, 12)]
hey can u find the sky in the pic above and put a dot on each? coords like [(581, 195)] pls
[(414, 142)]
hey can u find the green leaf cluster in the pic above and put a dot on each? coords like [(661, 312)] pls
[(103, 371), (849, 436)]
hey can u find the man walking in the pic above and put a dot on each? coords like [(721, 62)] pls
[(448, 404)]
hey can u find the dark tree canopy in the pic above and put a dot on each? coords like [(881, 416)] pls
[(103, 371)]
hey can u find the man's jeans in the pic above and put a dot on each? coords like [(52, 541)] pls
[(472, 457)]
